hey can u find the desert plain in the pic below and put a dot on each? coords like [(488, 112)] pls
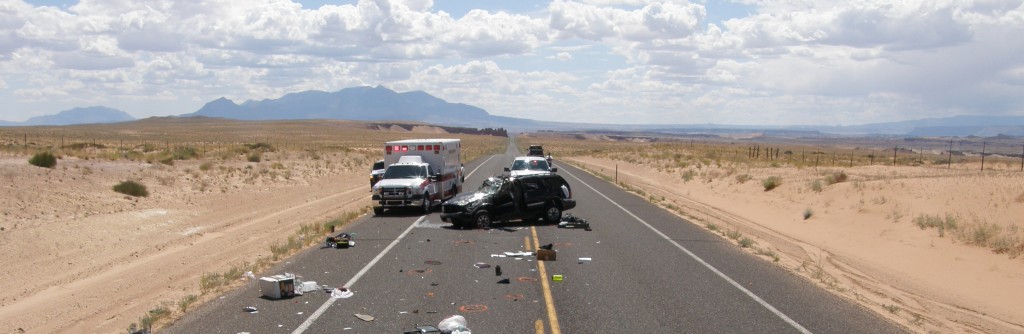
[(934, 248)]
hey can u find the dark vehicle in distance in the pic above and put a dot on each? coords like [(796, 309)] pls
[(376, 172), (535, 151), (505, 198)]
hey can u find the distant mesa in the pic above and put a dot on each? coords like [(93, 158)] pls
[(88, 115)]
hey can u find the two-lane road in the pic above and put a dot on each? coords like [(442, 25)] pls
[(651, 272)]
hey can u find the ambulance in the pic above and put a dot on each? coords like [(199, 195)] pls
[(419, 173)]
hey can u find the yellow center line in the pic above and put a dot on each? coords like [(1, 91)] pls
[(538, 326), (548, 300)]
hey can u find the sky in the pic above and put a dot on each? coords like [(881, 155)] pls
[(740, 62)]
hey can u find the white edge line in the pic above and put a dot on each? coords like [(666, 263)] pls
[(480, 165), (771, 308), (327, 304)]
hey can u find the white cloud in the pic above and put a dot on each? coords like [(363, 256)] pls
[(796, 58), (561, 56)]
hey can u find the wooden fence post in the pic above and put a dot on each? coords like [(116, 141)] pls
[(982, 156)]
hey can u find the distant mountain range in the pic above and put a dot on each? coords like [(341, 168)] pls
[(88, 115), (383, 104), (360, 104)]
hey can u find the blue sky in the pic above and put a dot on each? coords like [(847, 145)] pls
[(603, 61)]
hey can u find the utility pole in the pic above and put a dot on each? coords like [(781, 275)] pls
[(894, 155)]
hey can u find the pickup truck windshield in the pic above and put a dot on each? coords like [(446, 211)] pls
[(405, 172), (491, 186), (530, 165)]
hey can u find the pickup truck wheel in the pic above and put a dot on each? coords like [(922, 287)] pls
[(552, 214), (483, 220), (378, 211)]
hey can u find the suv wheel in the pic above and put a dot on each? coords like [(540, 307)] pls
[(552, 214), (483, 220), (378, 211)]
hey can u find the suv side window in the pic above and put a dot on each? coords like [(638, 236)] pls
[(556, 183), (534, 189)]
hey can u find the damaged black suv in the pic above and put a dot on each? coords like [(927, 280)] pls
[(505, 198)]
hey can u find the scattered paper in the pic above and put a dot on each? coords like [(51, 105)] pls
[(364, 317)]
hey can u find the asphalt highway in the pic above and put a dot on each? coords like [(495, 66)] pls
[(649, 272)]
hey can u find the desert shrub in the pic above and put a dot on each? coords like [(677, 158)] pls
[(82, 146), (771, 182), (255, 157), (185, 302), (808, 213), (167, 161), (981, 234), (184, 153), (43, 159), (131, 188), (260, 146), (835, 177), (746, 242), (209, 282), (743, 178), (688, 175), (206, 166), (936, 222), (816, 186)]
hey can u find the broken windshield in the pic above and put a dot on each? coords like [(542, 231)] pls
[(491, 185)]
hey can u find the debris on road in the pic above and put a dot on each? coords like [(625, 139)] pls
[(513, 254), (309, 286), (343, 240), (341, 292), (482, 265), (455, 324), (364, 317), (546, 254), (250, 309), (278, 286), (585, 260), (497, 270), (571, 221), (557, 277), (423, 329), (504, 281)]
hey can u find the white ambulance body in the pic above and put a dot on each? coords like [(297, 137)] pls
[(419, 174)]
